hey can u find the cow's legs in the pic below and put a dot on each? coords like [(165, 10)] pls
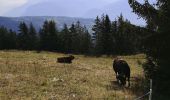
[(128, 81), (117, 75), (117, 78)]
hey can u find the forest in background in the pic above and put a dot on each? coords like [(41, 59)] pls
[(108, 37)]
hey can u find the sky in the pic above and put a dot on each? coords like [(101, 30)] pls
[(8, 5), (70, 8)]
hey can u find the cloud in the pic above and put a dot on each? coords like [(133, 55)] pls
[(7, 5)]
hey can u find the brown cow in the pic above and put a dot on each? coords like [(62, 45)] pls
[(122, 71), (65, 59)]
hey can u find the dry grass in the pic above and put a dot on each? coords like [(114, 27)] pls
[(27, 75)]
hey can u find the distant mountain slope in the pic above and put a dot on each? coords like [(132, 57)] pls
[(78, 8), (13, 22)]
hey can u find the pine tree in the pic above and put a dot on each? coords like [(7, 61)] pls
[(23, 37), (124, 38), (77, 37), (157, 44), (97, 36), (53, 36), (66, 39), (7, 39), (3, 31), (103, 35), (114, 30), (49, 36), (86, 42), (43, 32), (12, 40), (72, 31), (107, 37), (33, 37)]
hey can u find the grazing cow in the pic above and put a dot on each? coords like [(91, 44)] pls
[(122, 71), (65, 59)]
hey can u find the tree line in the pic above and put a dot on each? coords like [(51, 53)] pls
[(108, 37), (118, 36), (73, 39)]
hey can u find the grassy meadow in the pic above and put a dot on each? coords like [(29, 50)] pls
[(28, 75)]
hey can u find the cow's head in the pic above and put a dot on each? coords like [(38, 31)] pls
[(122, 79)]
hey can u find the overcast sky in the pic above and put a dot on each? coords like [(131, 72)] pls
[(71, 8), (8, 5)]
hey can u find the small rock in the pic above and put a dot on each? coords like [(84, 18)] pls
[(54, 79), (57, 80), (74, 95)]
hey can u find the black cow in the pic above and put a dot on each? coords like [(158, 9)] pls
[(122, 71), (65, 59)]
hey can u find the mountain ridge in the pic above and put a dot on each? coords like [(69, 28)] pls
[(37, 21)]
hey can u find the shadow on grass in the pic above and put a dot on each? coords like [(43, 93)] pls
[(138, 87), (114, 85)]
